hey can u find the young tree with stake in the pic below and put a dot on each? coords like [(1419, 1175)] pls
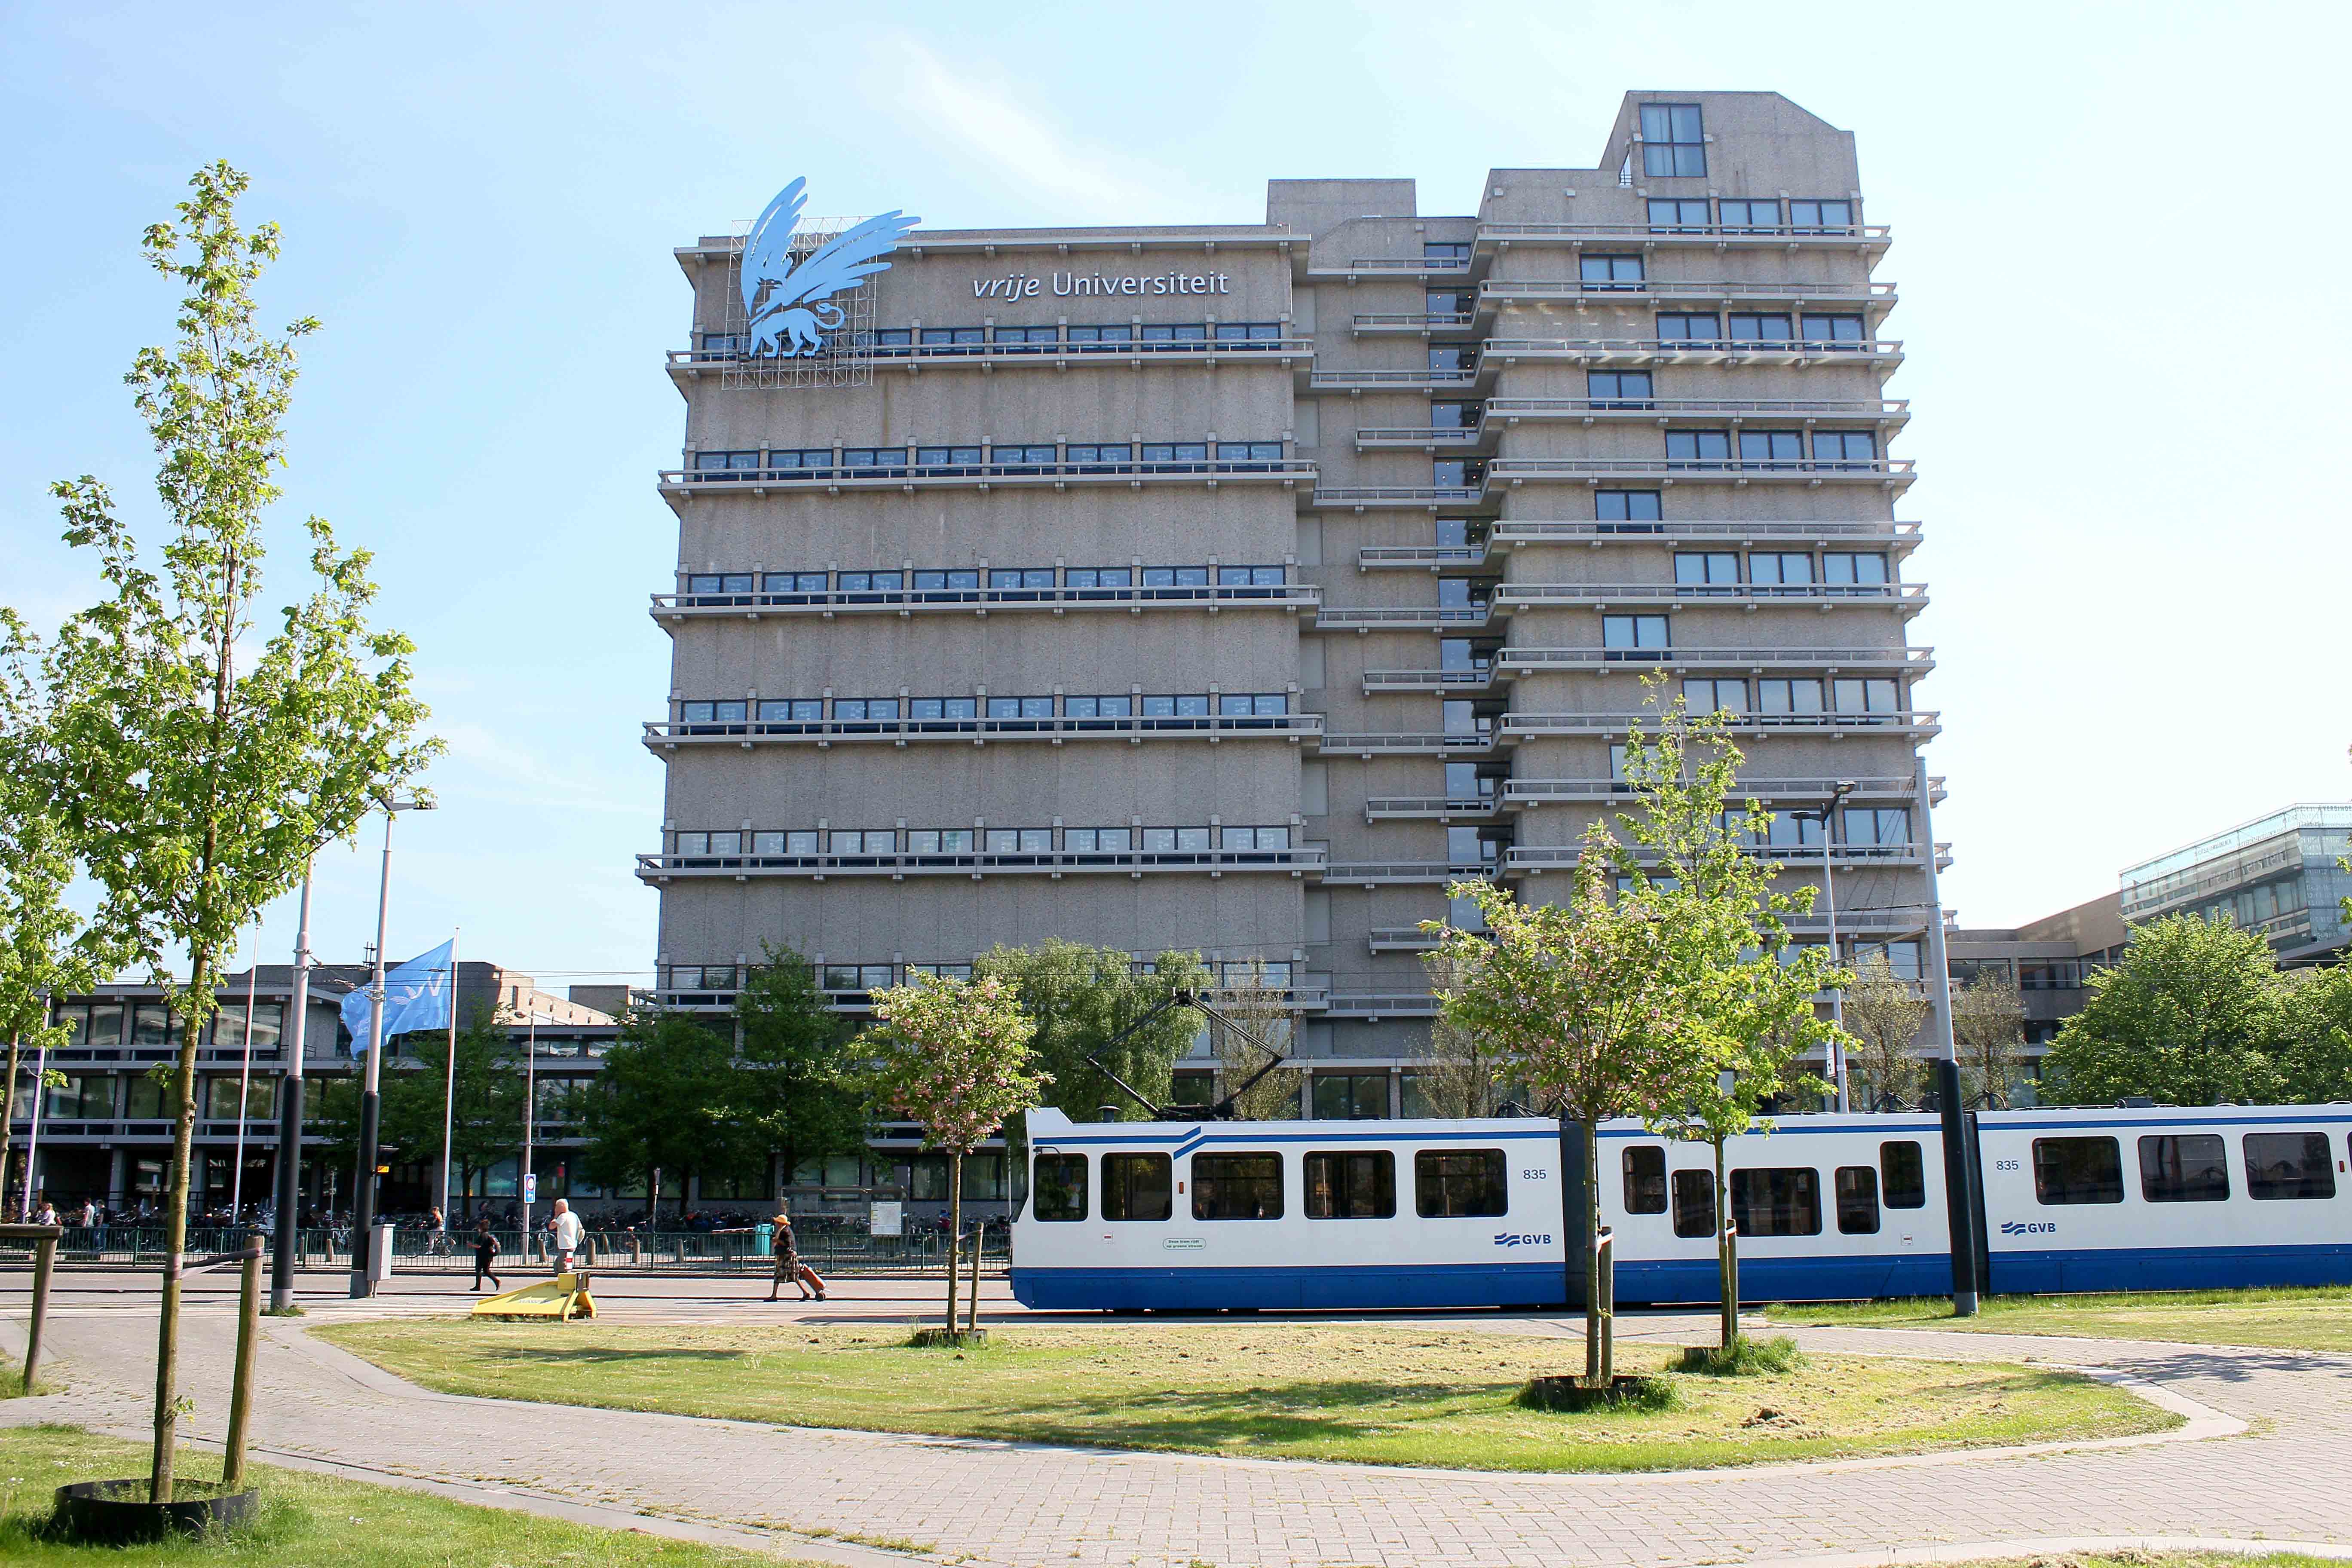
[(197, 785)]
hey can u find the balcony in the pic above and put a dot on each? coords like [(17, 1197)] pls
[(1290, 597), (1431, 808), (1377, 681), (1531, 793), (1906, 599), (685, 484), (1428, 556), (1431, 438), (915, 358), (1401, 939), (1882, 473), (1408, 378), (1132, 729), (1401, 617), (1390, 268), (1796, 294), (1366, 498), (1535, 859), (1914, 661), (1373, 1006), (1414, 324), (1871, 239), (1510, 533), (1798, 353), (1393, 873), (1055, 864), (1425, 743), (1907, 722), (1886, 412)]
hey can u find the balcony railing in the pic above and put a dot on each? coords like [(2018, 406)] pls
[(1871, 236), (1888, 411), (1401, 939), (977, 732), (1535, 859), (1914, 660), (1699, 350), (1891, 473), (1431, 438), (1537, 726), (1393, 266), (1411, 378), (1798, 294), (1290, 596), (1430, 808), (1909, 598), (1399, 617), (1508, 533), (1405, 744), (1421, 322), (871, 475), (1428, 555), (1376, 873), (1055, 863), (1380, 681), (996, 356), (1531, 793), (1429, 497), (1376, 1005)]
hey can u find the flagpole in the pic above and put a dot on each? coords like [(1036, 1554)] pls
[(243, 1086), (449, 1085)]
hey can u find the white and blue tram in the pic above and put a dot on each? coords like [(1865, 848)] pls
[(1423, 1214)]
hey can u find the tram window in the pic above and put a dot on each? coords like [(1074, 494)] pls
[(1358, 1184), (1454, 1183), (1137, 1186), (1060, 1187), (1237, 1187), (2078, 1171), (1782, 1201), (2192, 1168), (1903, 1173), (1857, 1200), (2288, 1165), (1693, 1203), (1645, 1181)]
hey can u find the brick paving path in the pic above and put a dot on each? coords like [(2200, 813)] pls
[(2285, 1475)]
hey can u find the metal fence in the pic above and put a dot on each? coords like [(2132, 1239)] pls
[(417, 1251)]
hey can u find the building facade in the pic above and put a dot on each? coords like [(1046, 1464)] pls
[(1236, 588), (2278, 874)]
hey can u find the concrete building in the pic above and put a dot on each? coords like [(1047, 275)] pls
[(1234, 588), (2277, 874)]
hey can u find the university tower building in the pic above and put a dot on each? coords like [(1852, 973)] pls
[(1234, 588)]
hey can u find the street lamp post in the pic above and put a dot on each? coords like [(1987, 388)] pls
[(289, 1113), (1827, 816), (363, 1192)]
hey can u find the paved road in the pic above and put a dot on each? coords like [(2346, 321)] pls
[(2286, 1472)]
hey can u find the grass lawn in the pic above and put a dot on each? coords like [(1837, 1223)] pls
[(311, 1519), (2314, 1318), (1372, 1394)]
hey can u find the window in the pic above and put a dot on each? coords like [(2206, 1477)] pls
[(1256, 838), (943, 707), (1237, 1187), (1358, 1184), (1856, 696), (1843, 332), (1098, 576), (1670, 214), (1458, 1184), (1137, 1186), (1698, 448), (799, 841), (1248, 332), (1626, 506), (1250, 577), (2078, 1171), (2191, 1168), (894, 338), (804, 458), (1452, 357), (1445, 249), (1901, 958), (1020, 841), (729, 583), (1098, 707), (1685, 326), (1350, 1096), (1100, 456), (1781, 567), (1846, 567), (949, 337), (948, 582), (1252, 453), (1097, 340), (1022, 457), (1094, 840), (1645, 1179), (1176, 454), (1618, 388), (868, 462), (1634, 632), (228, 1026), (1456, 473), (1703, 696), (1749, 214), (1697, 568), (1017, 707), (1903, 1171), (872, 582), (1454, 415), (1783, 1201), (1857, 1200), (1846, 448), (1175, 840), (1177, 333), (1610, 271), (939, 841), (2288, 1165), (711, 712), (1760, 327), (1002, 578), (1447, 302), (1772, 449), (1028, 335), (1879, 828), (221, 1098), (723, 462), (1789, 831), (853, 841), (1808, 216), (1693, 1203), (866, 709), (1672, 145), (142, 1097)]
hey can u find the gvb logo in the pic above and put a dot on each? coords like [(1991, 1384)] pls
[(2028, 1227), (1507, 1238)]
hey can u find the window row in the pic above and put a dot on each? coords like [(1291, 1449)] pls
[(995, 579), (1866, 827), (149, 1026), (1776, 1201), (1781, 568), (1750, 214), (981, 841), (1705, 449), (1734, 329), (994, 458), (1447, 1184), (891, 709), (137, 1096), (1794, 697), (2184, 1168), (881, 976), (896, 343)]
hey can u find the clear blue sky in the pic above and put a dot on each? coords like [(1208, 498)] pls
[(2121, 259)]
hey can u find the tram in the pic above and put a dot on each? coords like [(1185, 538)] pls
[(1173, 1216)]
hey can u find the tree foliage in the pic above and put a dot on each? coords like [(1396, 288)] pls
[(1989, 1036), (794, 1091), (484, 1113), (1260, 1003), (194, 792), (2194, 1013), (1080, 998), (663, 1104), (1883, 1013)]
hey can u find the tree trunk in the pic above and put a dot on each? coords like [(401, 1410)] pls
[(955, 1230), (1596, 1367), (175, 1241), (8, 1122), (1727, 1256)]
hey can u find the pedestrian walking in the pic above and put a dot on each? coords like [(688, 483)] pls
[(784, 1249), (563, 1227), (486, 1252)]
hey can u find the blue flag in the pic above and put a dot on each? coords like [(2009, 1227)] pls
[(416, 996)]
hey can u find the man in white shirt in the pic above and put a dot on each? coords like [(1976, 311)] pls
[(564, 1226)]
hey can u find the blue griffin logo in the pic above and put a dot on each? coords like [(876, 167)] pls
[(785, 304)]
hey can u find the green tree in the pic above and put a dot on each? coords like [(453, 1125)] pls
[(1989, 1036), (2316, 1052), (1884, 1013), (953, 1056), (662, 1103), (1082, 996), (793, 1092), (194, 792), (2193, 1014), (485, 1114)]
